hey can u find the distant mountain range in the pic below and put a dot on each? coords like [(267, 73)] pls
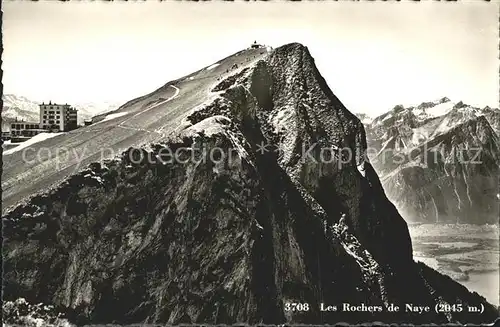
[(22, 108), (438, 161)]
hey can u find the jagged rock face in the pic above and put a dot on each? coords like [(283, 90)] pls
[(493, 117), (314, 131), (439, 169), (228, 233)]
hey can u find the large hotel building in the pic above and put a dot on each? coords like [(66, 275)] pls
[(53, 118), (58, 116)]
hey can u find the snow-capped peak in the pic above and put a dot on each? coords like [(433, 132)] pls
[(428, 110)]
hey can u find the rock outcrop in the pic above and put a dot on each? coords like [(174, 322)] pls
[(22, 313), (265, 198)]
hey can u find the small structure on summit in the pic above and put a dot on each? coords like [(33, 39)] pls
[(256, 45)]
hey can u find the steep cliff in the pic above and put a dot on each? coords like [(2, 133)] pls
[(263, 198)]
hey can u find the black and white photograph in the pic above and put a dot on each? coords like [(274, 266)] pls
[(250, 162)]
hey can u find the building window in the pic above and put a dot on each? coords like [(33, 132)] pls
[(57, 122)]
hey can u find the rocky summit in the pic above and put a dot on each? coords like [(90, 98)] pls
[(253, 222)]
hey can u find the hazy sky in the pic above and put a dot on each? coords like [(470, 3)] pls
[(373, 55)]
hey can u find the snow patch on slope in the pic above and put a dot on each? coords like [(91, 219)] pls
[(210, 126), (387, 117), (212, 67), (421, 134), (280, 120), (440, 109), (113, 116), (361, 168), (366, 121), (35, 139)]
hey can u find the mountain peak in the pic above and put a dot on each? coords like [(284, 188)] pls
[(459, 105), (443, 100), (292, 46)]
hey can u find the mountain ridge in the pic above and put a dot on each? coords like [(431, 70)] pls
[(416, 137)]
